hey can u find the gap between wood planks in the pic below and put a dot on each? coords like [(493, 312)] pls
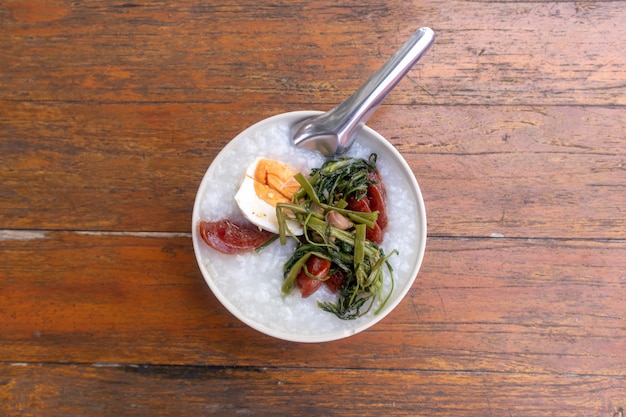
[(173, 369), (42, 234)]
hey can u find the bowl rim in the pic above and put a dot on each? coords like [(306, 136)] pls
[(295, 116)]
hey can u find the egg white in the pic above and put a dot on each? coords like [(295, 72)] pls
[(257, 210)]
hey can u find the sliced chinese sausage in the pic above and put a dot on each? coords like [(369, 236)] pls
[(377, 196), (376, 202), (374, 234), (317, 269), (375, 177), (229, 237), (336, 280)]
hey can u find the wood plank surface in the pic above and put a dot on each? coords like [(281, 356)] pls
[(532, 302), (514, 171), (514, 124), (139, 391), (298, 52)]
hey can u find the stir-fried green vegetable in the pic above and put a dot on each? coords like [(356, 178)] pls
[(361, 262)]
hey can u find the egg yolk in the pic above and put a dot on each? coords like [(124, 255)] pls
[(274, 182)]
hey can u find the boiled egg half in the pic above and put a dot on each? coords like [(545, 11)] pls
[(267, 182)]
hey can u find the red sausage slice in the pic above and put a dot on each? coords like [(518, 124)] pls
[(228, 237), (376, 199), (318, 268), (374, 234), (377, 196), (335, 281)]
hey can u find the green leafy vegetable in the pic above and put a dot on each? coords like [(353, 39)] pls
[(362, 263)]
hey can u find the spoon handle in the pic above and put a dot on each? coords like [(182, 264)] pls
[(354, 112)]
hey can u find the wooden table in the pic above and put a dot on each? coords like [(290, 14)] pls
[(514, 124)]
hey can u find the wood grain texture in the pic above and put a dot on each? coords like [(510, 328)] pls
[(513, 123), (140, 390), (302, 53), (478, 305), (553, 172)]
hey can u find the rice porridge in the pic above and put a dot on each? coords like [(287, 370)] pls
[(249, 284)]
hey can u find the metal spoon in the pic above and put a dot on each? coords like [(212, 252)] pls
[(333, 132)]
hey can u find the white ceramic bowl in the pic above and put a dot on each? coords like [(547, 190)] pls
[(249, 285)]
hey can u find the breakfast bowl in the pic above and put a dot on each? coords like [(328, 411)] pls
[(249, 284)]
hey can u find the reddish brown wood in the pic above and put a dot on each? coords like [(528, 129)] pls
[(109, 389), (301, 52), (513, 123), (478, 305), (516, 171)]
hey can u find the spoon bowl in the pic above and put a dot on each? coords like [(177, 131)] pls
[(333, 132)]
